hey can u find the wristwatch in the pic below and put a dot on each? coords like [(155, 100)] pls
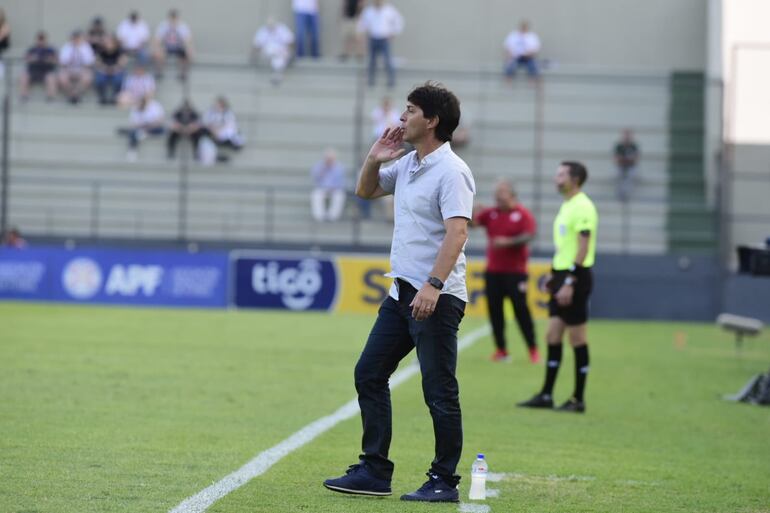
[(435, 282), (569, 280)]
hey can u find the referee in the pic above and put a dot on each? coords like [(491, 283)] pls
[(510, 227), (570, 284)]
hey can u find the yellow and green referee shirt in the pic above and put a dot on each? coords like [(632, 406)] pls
[(577, 214)]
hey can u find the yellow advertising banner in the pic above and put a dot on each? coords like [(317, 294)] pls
[(363, 286)]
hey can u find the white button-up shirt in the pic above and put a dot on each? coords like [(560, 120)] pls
[(522, 43), (427, 192), (380, 22)]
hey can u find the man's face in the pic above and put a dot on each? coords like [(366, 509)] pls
[(564, 182), (504, 197), (414, 122)]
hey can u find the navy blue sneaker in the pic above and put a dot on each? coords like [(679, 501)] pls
[(435, 489), (358, 480)]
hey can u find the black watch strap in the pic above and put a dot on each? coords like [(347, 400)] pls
[(435, 282)]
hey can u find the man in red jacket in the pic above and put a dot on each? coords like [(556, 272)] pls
[(510, 227)]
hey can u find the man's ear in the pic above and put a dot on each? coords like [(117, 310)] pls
[(433, 122)]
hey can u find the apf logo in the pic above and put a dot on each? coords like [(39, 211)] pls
[(130, 280), (82, 278), (296, 284)]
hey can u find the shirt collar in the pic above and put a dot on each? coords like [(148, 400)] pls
[(430, 159)]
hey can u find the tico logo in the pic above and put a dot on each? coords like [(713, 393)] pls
[(295, 284)]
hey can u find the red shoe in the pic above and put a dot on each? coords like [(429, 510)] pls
[(534, 356), (501, 355)]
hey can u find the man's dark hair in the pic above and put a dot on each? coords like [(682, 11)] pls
[(576, 171), (435, 100)]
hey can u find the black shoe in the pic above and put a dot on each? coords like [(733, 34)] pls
[(358, 480), (435, 489), (537, 401), (573, 405)]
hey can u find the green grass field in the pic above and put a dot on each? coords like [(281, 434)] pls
[(133, 410)]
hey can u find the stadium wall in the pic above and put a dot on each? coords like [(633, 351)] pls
[(610, 35)]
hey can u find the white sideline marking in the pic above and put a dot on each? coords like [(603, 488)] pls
[(493, 492), (260, 464), (474, 508), (496, 477)]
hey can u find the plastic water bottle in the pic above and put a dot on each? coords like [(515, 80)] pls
[(479, 472)]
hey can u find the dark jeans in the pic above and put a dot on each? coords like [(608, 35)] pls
[(173, 139), (528, 62), (134, 135), (506, 285), (307, 26), (104, 81), (394, 334), (377, 47)]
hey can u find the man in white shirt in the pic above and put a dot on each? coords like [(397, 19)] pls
[(76, 58), (147, 119), (380, 22), (384, 116), (327, 200), (173, 37), (522, 47), (273, 43), (134, 36), (433, 191), (307, 25), (139, 84)]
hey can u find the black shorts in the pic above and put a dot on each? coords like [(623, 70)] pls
[(575, 313)]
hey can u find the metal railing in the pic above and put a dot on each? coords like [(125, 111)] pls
[(538, 111)]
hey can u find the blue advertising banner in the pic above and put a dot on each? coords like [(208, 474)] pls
[(284, 282), (132, 277)]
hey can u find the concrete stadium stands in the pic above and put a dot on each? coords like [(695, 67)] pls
[(69, 176)]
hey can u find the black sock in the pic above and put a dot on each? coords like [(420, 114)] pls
[(581, 371), (552, 364)]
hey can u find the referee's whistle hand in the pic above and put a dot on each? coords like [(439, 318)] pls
[(424, 302)]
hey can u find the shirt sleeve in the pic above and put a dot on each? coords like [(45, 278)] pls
[(388, 177), (456, 196), (585, 219)]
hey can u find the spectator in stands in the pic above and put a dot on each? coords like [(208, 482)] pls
[(76, 60), (626, 160), (522, 47), (139, 84), (352, 43), (222, 126), (13, 239), (384, 116), (381, 22), (5, 38), (41, 68), (184, 123), (328, 197), (134, 36), (273, 43), (306, 24), (147, 118), (110, 70), (173, 37), (96, 34)]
